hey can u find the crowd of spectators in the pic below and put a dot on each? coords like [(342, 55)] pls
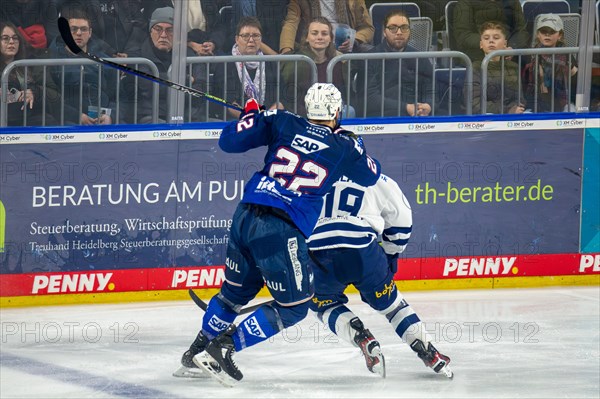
[(317, 29)]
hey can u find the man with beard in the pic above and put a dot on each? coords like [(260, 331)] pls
[(394, 93)]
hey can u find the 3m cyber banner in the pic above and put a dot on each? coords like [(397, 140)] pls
[(133, 215)]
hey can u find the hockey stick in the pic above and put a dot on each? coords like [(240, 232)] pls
[(202, 305), (65, 33)]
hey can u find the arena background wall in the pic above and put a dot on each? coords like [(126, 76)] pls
[(139, 213)]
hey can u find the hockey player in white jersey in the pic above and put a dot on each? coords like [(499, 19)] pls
[(345, 251)]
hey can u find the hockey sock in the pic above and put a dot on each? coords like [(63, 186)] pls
[(259, 326), (217, 318), (267, 321), (338, 319), (405, 321)]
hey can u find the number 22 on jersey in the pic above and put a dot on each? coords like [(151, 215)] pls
[(286, 171)]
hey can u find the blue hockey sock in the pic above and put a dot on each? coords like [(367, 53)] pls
[(258, 327), (217, 318)]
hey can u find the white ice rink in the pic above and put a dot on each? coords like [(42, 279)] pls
[(509, 343)]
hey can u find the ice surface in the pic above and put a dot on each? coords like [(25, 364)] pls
[(511, 343)]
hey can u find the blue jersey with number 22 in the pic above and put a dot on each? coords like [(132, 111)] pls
[(302, 162)]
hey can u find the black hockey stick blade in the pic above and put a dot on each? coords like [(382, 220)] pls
[(203, 305), (65, 33)]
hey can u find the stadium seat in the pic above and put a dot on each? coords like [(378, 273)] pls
[(421, 31), (448, 39)]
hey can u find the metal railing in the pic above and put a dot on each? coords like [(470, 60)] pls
[(48, 64), (357, 88), (520, 53), (354, 89), (218, 65)]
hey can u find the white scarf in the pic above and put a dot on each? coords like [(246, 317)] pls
[(196, 18), (252, 88)]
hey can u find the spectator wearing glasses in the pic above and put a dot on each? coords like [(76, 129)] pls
[(411, 94), (204, 26), (118, 23), (245, 80), (158, 49), (88, 97), (24, 91), (270, 13), (555, 72)]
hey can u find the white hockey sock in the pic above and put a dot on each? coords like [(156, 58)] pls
[(405, 321), (338, 319)]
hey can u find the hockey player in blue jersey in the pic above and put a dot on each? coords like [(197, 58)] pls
[(344, 246), (279, 209)]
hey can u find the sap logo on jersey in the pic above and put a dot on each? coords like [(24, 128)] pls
[(251, 325), (217, 324), (307, 145)]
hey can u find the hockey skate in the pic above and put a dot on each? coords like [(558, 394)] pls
[(217, 359), (432, 358), (188, 369), (369, 347)]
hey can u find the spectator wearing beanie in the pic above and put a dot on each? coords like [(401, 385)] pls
[(158, 48)]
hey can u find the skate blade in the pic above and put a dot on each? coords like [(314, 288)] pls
[(447, 371), (187, 372), (379, 368), (210, 367)]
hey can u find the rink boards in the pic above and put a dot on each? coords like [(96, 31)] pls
[(139, 213)]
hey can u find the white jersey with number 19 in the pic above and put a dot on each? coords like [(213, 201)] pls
[(353, 216)]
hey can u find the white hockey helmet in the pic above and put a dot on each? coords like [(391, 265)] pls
[(323, 102)]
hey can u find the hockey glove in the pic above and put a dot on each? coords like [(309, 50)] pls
[(251, 107)]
